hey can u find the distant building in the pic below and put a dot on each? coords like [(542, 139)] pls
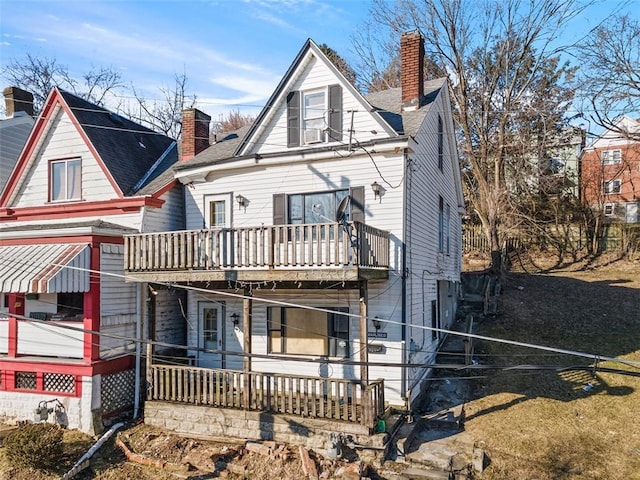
[(610, 175)]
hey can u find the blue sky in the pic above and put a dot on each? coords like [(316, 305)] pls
[(233, 51)]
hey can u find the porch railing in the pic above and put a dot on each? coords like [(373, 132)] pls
[(276, 246), (313, 397)]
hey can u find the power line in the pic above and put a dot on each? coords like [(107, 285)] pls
[(591, 356)]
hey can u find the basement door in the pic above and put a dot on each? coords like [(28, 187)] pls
[(211, 334)]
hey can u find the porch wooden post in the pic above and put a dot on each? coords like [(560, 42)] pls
[(364, 353), (16, 307), (247, 305)]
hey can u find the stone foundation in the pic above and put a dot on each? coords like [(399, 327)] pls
[(206, 421)]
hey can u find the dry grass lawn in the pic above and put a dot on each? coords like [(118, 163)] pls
[(543, 425)]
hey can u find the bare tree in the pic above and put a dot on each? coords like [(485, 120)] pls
[(610, 73), (164, 115), (233, 120), (507, 86), (39, 75), (341, 64)]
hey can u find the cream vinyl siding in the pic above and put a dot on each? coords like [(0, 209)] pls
[(117, 303), (63, 141), (316, 75)]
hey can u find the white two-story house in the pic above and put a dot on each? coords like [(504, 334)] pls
[(323, 246)]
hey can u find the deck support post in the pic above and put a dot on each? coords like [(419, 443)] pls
[(364, 353), (247, 305)]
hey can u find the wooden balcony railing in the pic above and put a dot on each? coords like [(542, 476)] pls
[(313, 397), (278, 246)]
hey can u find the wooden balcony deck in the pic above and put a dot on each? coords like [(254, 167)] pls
[(327, 251), (311, 397)]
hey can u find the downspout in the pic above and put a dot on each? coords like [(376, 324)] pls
[(405, 197), (139, 309)]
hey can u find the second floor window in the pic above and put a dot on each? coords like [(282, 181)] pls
[(611, 157), (440, 143), (65, 180), (612, 186)]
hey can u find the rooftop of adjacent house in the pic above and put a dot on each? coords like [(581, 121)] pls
[(388, 103), (14, 132), (134, 155), (88, 224)]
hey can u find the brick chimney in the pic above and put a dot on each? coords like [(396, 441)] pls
[(18, 100), (412, 75), (195, 132)]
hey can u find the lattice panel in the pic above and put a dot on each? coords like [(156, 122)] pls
[(117, 391), (26, 380), (59, 382)]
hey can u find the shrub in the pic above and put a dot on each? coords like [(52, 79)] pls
[(36, 445)]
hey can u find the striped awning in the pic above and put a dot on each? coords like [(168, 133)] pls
[(46, 268)]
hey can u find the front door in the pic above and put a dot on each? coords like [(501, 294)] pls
[(211, 338)]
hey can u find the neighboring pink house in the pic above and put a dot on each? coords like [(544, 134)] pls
[(85, 177)]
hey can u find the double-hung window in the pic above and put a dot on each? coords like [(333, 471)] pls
[(611, 157), (65, 180), (612, 186), (313, 116), (609, 209)]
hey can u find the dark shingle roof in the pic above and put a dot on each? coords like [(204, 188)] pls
[(388, 103), (127, 149), (222, 149), (14, 132)]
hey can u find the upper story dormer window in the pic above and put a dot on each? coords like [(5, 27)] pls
[(314, 116), (611, 157), (65, 180), (314, 125)]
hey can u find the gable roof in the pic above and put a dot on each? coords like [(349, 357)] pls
[(130, 152), (284, 86), (14, 132)]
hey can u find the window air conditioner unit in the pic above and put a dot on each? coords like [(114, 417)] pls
[(312, 135)]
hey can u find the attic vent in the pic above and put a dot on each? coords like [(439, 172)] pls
[(312, 135), (115, 118)]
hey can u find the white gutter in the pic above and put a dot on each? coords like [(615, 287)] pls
[(198, 174)]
